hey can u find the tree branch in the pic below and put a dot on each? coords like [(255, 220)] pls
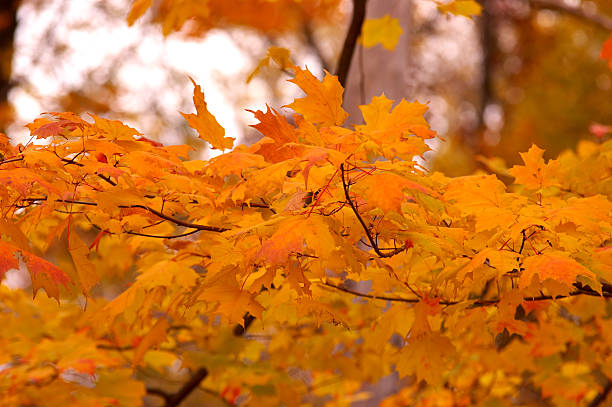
[(477, 303), (145, 207), (373, 244), (593, 17), (173, 400), (601, 397), (348, 49)]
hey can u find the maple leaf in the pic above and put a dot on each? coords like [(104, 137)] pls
[(205, 123), (323, 101), (428, 352), (86, 270), (466, 8), (555, 266), (8, 260), (535, 174), (386, 190), (45, 275), (114, 129), (233, 301), (155, 336), (385, 31), (280, 55), (606, 51), (139, 7), (394, 130)]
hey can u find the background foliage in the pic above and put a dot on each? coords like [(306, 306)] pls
[(325, 262)]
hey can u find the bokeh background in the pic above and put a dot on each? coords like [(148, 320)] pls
[(525, 71)]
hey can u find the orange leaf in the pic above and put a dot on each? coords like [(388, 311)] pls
[(606, 51), (139, 7), (154, 337), (386, 190), (535, 174), (323, 101), (555, 266), (45, 275), (205, 123), (88, 277), (7, 258)]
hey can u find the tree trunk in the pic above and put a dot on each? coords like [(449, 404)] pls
[(377, 70), (8, 24)]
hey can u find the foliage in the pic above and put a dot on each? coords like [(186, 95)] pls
[(298, 269)]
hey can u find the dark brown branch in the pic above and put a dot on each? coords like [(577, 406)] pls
[(580, 12), (130, 232), (477, 303), (11, 160), (373, 243), (601, 397), (370, 296), (176, 399), (178, 221), (158, 392), (173, 400), (147, 208), (348, 49)]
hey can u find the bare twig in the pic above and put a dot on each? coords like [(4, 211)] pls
[(145, 207), (476, 303), (373, 243)]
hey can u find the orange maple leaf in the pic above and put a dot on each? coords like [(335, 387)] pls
[(7, 258), (555, 266), (45, 275), (535, 174), (154, 337), (205, 123), (606, 51), (323, 101)]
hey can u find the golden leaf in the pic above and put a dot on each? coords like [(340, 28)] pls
[(205, 123)]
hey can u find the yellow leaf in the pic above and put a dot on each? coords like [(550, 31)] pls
[(154, 337), (280, 55), (205, 123), (114, 129), (323, 100), (428, 352), (535, 174), (88, 277), (386, 190), (466, 8), (394, 130), (385, 31)]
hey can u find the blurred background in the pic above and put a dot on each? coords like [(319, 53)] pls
[(525, 71)]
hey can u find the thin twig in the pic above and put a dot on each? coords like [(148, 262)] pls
[(11, 160), (373, 243), (145, 207), (477, 303)]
